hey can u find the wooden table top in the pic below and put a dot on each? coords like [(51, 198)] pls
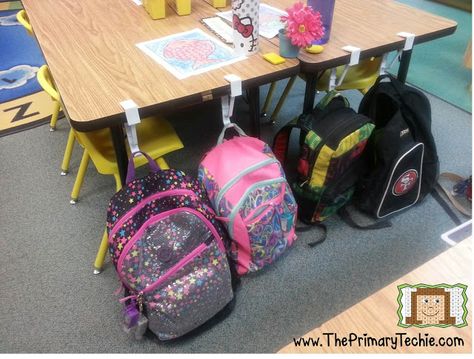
[(89, 46), (377, 314), (371, 25)]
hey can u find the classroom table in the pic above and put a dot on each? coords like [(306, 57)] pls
[(372, 26), (90, 49), (89, 46)]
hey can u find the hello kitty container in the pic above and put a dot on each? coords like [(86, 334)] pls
[(245, 24)]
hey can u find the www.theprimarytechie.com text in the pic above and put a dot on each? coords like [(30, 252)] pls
[(399, 340)]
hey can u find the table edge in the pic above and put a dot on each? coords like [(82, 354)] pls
[(169, 106), (398, 45)]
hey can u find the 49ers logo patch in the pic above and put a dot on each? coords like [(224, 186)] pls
[(405, 182)]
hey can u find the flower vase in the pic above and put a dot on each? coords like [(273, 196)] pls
[(326, 9), (287, 49)]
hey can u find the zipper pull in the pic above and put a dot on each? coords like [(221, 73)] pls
[(140, 301), (303, 183)]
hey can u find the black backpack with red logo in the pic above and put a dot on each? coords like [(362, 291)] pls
[(401, 156)]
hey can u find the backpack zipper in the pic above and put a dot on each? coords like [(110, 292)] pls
[(313, 154), (347, 125), (144, 202), (155, 219), (173, 270), (236, 209), (162, 215), (239, 176)]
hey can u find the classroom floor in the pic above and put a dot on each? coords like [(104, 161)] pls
[(438, 66), (56, 304)]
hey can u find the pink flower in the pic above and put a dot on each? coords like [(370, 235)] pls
[(303, 25)]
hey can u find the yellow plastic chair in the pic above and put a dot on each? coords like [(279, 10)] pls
[(360, 77), (46, 82), (23, 19), (155, 135)]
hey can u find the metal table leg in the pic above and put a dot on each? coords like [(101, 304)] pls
[(118, 139), (310, 92), (254, 109), (404, 64)]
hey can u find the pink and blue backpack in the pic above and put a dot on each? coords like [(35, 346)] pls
[(250, 195), (168, 250)]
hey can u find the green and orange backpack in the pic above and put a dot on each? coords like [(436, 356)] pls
[(332, 140)]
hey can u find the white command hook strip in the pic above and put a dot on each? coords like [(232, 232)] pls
[(354, 60), (355, 54), (133, 119), (383, 65), (409, 42), (227, 102)]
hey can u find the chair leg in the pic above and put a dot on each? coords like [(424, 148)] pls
[(54, 116), (67, 153), (280, 103), (269, 98), (118, 182), (101, 253), (162, 163), (80, 177)]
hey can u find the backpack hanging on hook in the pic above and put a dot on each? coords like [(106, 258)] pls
[(402, 161), (332, 140)]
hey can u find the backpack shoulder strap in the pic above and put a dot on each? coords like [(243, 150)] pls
[(369, 100), (331, 95), (309, 227), (347, 217), (282, 138)]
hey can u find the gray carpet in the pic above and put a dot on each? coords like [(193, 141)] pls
[(51, 301)]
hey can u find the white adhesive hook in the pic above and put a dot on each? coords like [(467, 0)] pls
[(332, 79), (383, 64), (409, 41), (355, 54), (227, 109), (133, 119), (354, 60), (227, 102)]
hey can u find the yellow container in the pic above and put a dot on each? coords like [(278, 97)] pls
[(156, 8), (219, 3), (183, 7)]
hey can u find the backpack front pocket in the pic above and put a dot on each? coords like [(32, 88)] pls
[(268, 212), (176, 264), (403, 187)]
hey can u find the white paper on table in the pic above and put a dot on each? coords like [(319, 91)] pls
[(189, 53), (269, 20), (220, 28)]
